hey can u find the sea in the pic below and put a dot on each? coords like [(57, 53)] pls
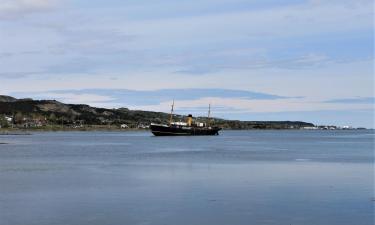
[(275, 177)]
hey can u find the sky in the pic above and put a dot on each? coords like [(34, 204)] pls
[(308, 60)]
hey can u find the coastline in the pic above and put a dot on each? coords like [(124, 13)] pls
[(29, 131), (17, 131)]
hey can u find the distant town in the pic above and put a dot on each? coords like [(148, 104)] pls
[(331, 127), (23, 122)]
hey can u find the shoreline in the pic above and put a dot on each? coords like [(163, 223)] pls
[(24, 131), (29, 131)]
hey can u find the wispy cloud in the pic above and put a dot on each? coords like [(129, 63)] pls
[(13, 8), (92, 41), (138, 98), (17, 75), (227, 101), (259, 105), (231, 62), (356, 100)]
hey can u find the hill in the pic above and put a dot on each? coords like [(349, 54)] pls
[(4, 98), (39, 113)]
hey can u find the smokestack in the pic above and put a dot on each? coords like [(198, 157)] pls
[(189, 120)]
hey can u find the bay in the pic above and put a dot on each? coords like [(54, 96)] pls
[(238, 177)]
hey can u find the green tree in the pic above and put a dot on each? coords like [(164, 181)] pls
[(52, 118), (18, 118), (3, 122)]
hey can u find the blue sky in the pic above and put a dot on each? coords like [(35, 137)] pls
[(253, 60)]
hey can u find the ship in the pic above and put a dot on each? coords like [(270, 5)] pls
[(188, 128)]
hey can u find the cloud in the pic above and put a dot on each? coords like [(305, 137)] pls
[(135, 98), (17, 75), (90, 99), (245, 36), (294, 109), (233, 62), (225, 100), (356, 100), (347, 3), (92, 41), (13, 8)]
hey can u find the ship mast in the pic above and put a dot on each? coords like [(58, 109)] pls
[(171, 115), (209, 114)]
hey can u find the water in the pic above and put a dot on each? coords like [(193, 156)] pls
[(239, 177)]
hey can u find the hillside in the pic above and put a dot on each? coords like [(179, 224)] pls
[(32, 113)]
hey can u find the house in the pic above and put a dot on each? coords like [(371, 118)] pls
[(309, 128), (124, 126), (143, 126), (8, 119)]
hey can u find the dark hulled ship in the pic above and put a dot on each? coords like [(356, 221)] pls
[(184, 128)]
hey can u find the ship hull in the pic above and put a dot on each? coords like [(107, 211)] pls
[(164, 130)]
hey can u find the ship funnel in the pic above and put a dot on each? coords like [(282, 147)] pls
[(189, 120)]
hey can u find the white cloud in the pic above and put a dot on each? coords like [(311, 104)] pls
[(12, 8), (237, 105), (289, 21), (90, 99)]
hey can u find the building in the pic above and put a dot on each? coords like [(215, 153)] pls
[(8, 119), (124, 126)]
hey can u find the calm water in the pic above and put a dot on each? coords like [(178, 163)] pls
[(239, 177)]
